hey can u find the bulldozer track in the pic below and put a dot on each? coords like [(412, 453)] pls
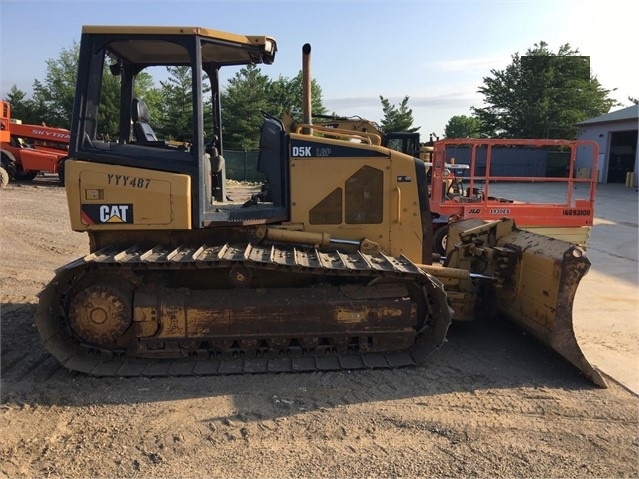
[(58, 338)]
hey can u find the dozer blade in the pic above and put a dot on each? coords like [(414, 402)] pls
[(536, 281)]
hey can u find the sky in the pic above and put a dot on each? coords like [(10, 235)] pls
[(435, 52)]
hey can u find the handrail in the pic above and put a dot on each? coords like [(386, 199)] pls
[(571, 211), (398, 192), (361, 136)]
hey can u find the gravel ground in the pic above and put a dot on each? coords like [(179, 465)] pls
[(492, 402)]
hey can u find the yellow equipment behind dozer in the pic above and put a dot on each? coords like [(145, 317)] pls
[(329, 267)]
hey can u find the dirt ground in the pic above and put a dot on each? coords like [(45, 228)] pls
[(491, 403)]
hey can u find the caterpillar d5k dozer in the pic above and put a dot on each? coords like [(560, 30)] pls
[(329, 266)]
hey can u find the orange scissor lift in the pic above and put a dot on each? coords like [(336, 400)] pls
[(462, 191)]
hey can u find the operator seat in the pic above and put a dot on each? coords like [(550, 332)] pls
[(141, 128)]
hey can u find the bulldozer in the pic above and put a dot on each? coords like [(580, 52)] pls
[(330, 266)]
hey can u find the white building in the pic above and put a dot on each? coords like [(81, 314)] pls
[(616, 135)]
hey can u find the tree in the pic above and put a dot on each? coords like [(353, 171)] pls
[(397, 118), (249, 93), (170, 105), (22, 108), (541, 95), (176, 113), (109, 111), (285, 96), (462, 126), (242, 101), (54, 96)]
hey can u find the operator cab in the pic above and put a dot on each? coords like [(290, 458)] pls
[(406, 142), (112, 59)]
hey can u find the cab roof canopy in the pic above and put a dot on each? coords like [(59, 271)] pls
[(144, 45)]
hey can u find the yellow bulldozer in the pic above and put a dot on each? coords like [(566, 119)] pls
[(329, 266)]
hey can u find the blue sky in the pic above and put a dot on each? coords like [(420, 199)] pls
[(435, 52)]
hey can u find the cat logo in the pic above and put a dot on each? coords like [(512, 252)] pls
[(107, 214), (113, 213)]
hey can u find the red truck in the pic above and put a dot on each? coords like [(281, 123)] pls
[(27, 150)]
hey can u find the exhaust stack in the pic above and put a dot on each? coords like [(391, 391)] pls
[(306, 88)]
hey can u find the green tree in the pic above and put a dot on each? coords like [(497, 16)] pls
[(462, 126), (56, 93), (53, 96), (109, 111), (176, 118), (170, 106), (397, 118), (242, 101), (541, 95), (22, 108), (285, 95)]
